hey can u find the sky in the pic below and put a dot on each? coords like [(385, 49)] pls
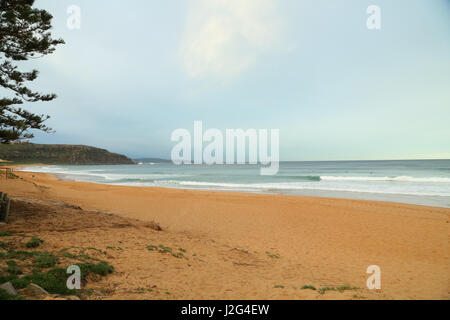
[(137, 70)]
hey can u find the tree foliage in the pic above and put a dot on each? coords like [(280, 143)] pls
[(25, 33)]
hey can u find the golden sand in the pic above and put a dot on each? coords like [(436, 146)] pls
[(240, 246)]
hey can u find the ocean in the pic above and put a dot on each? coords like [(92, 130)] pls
[(423, 182)]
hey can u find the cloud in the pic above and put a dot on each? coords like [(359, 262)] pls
[(225, 37)]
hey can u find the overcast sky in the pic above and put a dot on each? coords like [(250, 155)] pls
[(139, 69)]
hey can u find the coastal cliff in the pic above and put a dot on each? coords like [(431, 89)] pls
[(60, 154)]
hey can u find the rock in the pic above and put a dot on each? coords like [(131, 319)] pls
[(72, 298), (33, 290), (2, 223), (8, 287)]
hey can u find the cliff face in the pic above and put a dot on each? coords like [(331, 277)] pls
[(60, 154)]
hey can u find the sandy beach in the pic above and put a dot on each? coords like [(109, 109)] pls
[(236, 245)]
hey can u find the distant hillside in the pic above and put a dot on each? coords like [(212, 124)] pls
[(60, 154)]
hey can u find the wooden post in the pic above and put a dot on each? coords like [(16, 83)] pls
[(5, 204)]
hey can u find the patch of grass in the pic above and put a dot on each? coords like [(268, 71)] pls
[(143, 290), (34, 243), (179, 255), (4, 244), (272, 255), (346, 287), (101, 269), (4, 279), (279, 286), (5, 233), (45, 261), (151, 247), (69, 255), (114, 248), (54, 281), (88, 292), (19, 255), (308, 287), (340, 288), (13, 267), (84, 257), (4, 295), (24, 255), (325, 289), (20, 283), (164, 249), (12, 176)]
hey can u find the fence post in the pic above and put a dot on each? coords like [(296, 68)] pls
[(5, 204)]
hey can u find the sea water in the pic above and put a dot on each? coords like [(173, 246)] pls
[(423, 182)]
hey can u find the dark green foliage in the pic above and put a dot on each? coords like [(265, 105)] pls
[(54, 281), (5, 233), (24, 34), (13, 267), (308, 287), (20, 283), (34, 243), (340, 288), (101, 269), (23, 255), (4, 279), (346, 287), (69, 255), (45, 261), (4, 295), (24, 153)]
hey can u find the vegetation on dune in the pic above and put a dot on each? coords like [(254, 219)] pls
[(4, 295), (308, 287), (46, 269), (34, 243), (164, 249)]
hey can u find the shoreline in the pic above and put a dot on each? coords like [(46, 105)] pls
[(310, 240), (313, 193)]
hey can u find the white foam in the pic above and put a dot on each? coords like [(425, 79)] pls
[(399, 179), (304, 186)]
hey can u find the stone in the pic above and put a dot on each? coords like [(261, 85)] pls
[(8, 287), (33, 290)]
